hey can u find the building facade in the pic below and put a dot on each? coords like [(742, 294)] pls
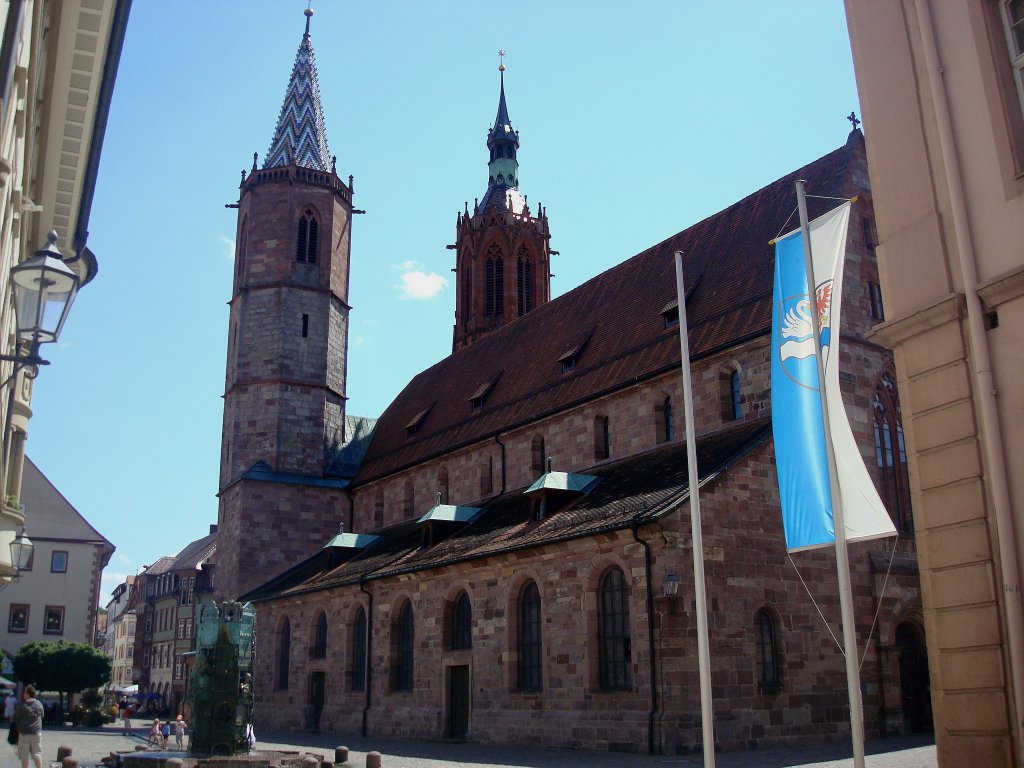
[(119, 638), (58, 62), (942, 89), (57, 596), (499, 573)]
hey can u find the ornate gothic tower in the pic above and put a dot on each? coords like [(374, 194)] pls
[(284, 399), (502, 254)]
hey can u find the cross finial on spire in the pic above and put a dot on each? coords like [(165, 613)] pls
[(309, 14), (852, 117), (501, 60)]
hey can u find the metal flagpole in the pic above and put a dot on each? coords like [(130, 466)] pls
[(838, 521), (700, 592)]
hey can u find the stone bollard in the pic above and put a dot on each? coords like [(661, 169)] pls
[(63, 752), (310, 762), (340, 755), (69, 762), (174, 762), (373, 760), (326, 764)]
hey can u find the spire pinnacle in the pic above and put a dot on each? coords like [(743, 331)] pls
[(502, 140), (309, 15), (300, 137)]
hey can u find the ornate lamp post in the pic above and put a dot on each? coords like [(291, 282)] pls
[(43, 289)]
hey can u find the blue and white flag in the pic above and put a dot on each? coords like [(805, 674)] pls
[(799, 433)]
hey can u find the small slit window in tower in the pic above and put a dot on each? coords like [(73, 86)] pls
[(305, 325)]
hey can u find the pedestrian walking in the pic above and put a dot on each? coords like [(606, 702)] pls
[(165, 734), (179, 732), (126, 720), (154, 734), (28, 718), (9, 704)]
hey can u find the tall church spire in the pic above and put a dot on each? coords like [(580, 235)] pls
[(301, 135), (502, 251), (502, 141)]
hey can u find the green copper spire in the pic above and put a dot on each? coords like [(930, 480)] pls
[(503, 141)]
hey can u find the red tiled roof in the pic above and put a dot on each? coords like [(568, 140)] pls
[(727, 257)]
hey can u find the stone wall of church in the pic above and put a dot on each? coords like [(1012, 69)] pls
[(747, 571)]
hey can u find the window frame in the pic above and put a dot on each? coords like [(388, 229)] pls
[(319, 648), (462, 623), (766, 658), (529, 640), (1014, 47), (10, 618), (53, 561), (53, 610), (284, 653), (614, 636)]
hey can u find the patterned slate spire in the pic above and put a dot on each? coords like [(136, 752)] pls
[(301, 135)]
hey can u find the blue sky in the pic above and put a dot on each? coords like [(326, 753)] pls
[(636, 120)]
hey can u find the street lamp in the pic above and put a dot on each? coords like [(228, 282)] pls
[(670, 588), (44, 288), (21, 551)]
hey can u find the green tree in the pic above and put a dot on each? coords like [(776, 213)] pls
[(63, 667)]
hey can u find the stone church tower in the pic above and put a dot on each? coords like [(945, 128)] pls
[(284, 398), (503, 259)]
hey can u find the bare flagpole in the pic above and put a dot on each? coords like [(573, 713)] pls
[(700, 592), (838, 520)]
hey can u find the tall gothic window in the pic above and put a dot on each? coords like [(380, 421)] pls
[(320, 642), (602, 438), (305, 243), (768, 679), (442, 484), (284, 655), (243, 237), (528, 640), (613, 606), (495, 275), (403, 649), (359, 651), (537, 453), (732, 402), (663, 420), (467, 292), (462, 623), (524, 282), (891, 451)]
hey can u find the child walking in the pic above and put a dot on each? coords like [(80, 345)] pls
[(179, 732)]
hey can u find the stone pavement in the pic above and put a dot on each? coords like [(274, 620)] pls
[(89, 745)]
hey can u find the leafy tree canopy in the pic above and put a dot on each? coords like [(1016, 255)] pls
[(62, 667)]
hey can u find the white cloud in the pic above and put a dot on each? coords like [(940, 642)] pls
[(229, 246), (420, 285), (407, 266)]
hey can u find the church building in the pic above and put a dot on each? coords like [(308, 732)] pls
[(505, 555)]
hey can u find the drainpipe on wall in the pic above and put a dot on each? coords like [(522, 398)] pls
[(635, 528), (351, 509), (991, 434), (369, 653)]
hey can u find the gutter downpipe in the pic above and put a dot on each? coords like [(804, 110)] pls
[(991, 434), (635, 529), (369, 655)]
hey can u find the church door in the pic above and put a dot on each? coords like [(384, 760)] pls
[(458, 701), (316, 698), (915, 689)]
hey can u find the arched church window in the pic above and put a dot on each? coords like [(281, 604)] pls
[(614, 628), (467, 292), (524, 282), (768, 677), (891, 451), (462, 623), (442, 484), (305, 244), (284, 655), (402, 670), (528, 639), (729, 382), (495, 275), (537, 453), (664, 428), (320, 638)]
